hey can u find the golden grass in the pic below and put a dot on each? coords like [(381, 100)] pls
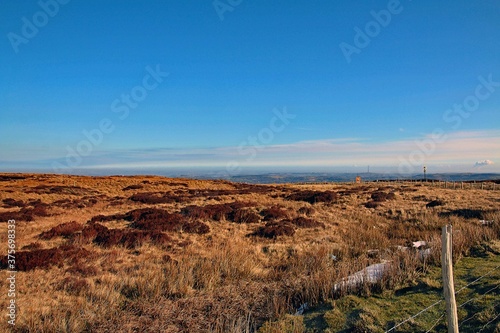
[(226, 280)]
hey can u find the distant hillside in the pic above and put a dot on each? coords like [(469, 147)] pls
[(280, 178)]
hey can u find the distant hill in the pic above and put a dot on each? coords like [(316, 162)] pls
[(280, 178)]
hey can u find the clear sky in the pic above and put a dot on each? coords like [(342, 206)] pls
[(234, 84)]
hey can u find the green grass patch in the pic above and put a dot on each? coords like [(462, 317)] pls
[(478, 303)]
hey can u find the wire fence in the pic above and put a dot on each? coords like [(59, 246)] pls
[(468, 301)]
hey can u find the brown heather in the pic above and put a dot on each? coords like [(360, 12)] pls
[(153, 254)]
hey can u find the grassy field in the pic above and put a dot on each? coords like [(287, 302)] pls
[(477, 280), (151, 254)]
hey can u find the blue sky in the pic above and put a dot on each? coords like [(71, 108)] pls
[(421, 87)]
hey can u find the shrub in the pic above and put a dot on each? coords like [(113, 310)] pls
[(133, 187), (434, 203), (130, 238), (245, 216), (303, 222), (306, 210), (64, 230), (152, 198), (27, 214), (313, 196), (103, 218), (380, 196), (9, 202), (29, 260), (275, 229), (90, 232), (372, 204), (153, 219), (274, 213), (220, 212)]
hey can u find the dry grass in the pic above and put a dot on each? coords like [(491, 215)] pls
[(178, 255)]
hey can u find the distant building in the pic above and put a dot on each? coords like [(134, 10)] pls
[(358, 179)]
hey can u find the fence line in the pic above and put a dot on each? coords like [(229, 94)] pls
[(437, 322), (461, 305), (416, 315), (485, 325)]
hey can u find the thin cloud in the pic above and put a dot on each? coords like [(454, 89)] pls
[(479, 164)]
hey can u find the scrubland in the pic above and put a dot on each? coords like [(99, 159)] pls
[(154, 254)]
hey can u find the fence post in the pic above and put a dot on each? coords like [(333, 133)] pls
[(448, 286)]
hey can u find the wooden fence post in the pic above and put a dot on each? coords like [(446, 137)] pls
[(448, 286)]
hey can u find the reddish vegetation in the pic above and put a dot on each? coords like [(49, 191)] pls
[(107, 218), (434, 203), (306, 210), (275, 229), (5, 178), (372, 204), (103, 236), (313, 196), (274, 213), (235, 211), (9, 202), (380, 196), (46, 189), (157, 197), (154, 219), (86, 201), (28, 260), (64, 230), (92, 230), (303, 222), (130, 238), (26, 213), (133, 187), (214, 212), (245, 216)]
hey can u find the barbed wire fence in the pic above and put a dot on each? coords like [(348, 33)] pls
[(462, 305)]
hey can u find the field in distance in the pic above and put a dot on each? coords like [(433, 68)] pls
[(156, 254)]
